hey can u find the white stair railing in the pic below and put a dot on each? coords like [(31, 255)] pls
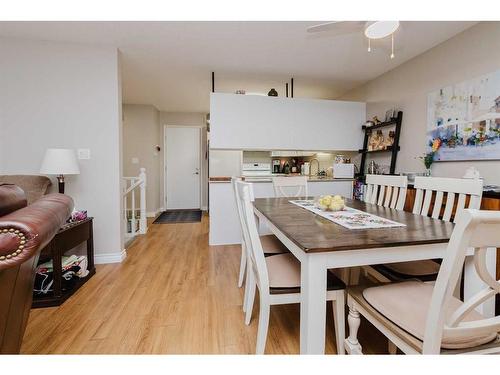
[(130, 186)]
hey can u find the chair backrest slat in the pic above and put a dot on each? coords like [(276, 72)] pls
[(394, 199), (283, 185), (478, 230), (380, 200), (255, 253), (427, 187), (438, 204), (427, 202), (386, 191), (374, 194), (401, 199)]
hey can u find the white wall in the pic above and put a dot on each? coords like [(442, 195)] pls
[(141, 133), (470, 54), (66, 95)]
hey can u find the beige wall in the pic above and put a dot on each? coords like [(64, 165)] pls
[(469, 54), (188, 119), (141, 133), (67, 96), (143, 128)]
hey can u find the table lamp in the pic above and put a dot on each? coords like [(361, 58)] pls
[(60, 162)]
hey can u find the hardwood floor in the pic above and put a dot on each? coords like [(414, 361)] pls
[(172, 295)]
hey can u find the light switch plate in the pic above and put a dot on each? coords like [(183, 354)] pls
[(83, 153), (135, 160)]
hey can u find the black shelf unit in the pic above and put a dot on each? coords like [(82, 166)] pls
[(393, 150)]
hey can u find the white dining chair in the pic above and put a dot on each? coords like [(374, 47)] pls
[(270, 243), (386, 191), (293, 186), (278, 278), (422, 318), (431, 194)]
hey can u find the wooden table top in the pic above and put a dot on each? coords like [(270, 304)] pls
[(312, 233)]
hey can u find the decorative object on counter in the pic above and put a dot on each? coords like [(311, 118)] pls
[(294, 167), (305, 168), (427, 159), (375, 120), (272, 92), (339, 159), (472, 173), (60, 162), (330, 203), (286, 168), (465, 119), (240, 92), (373, 168), (78, 215), (276, 165)]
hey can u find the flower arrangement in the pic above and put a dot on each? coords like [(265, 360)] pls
[(428, 158)]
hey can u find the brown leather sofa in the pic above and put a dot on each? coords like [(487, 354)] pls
[(24, 232)]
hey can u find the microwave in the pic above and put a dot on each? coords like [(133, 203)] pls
[(342, 170)]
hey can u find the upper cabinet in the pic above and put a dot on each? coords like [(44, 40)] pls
[(255, 122)]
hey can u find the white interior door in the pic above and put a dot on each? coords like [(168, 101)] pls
[(183, 174)]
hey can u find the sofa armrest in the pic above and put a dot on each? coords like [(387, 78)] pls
[(26, 231)]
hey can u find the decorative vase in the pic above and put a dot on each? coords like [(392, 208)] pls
[(272, 92), (428, 172)]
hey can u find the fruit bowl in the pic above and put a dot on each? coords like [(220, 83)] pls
[(330, 203)]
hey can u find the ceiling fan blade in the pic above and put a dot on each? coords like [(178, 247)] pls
[(338, 26)]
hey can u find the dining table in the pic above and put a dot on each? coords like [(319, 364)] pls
[(320, 245)]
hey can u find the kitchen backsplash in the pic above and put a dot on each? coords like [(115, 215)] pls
[(325, 159)]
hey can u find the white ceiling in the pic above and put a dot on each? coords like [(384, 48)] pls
[(168, 64)]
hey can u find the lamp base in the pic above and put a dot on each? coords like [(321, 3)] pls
[(60, 180)]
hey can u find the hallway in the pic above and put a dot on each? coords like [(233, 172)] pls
[(172, 295)]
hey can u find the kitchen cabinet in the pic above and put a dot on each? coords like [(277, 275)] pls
[(273, 123)]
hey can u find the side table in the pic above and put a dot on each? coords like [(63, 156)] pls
[(68, 237)]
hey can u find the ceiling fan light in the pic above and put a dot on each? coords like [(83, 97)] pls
[(380, 29)]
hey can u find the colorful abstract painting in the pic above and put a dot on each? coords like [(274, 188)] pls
[(463, 120)]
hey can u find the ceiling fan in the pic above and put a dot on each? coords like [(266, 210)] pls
[(373, 30)]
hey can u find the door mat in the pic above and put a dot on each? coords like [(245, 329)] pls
[(178, 216)]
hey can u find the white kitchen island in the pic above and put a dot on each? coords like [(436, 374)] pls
[(224, 222)]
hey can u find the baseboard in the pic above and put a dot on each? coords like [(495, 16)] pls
[(110, 257), (154, 213), (204, 208)]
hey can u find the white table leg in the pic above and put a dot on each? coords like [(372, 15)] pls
[(352, 345), (473, 284), (312, 306)]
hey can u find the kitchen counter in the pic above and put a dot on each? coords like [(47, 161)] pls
[(224, 222), (254, 179)]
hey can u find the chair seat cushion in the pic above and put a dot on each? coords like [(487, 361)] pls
[(414, 269), (406, 304), (284, 275), (271, 245)]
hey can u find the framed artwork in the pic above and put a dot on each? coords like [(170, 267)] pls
[(463, 120)]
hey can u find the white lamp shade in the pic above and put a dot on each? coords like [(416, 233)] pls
[(59, 161)]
